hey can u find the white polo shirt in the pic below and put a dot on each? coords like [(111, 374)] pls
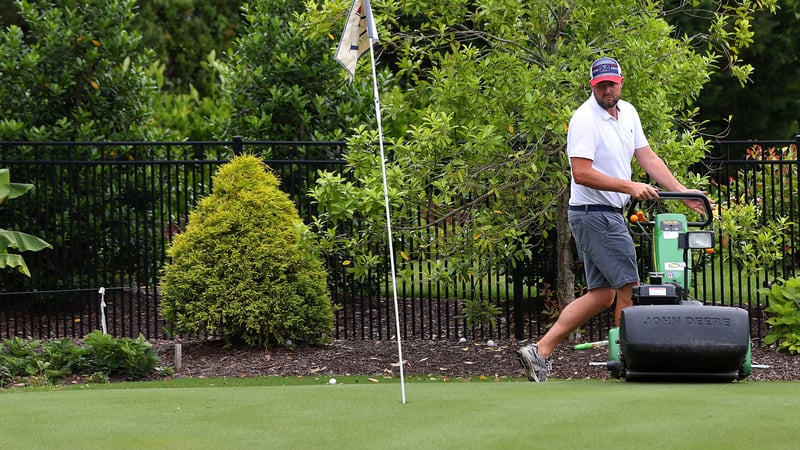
[(610, 143)]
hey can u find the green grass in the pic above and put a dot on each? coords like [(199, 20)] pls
[(495, 286), (357, 413)]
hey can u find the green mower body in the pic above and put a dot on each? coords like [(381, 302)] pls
[(667, 335), (667, 257)]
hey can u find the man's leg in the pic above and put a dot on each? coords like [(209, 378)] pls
[(624, 299), (576, 314)]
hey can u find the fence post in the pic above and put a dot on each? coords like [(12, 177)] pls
[(519, 301), (238, 145)]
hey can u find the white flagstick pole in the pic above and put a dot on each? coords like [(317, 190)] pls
[(388, 222)]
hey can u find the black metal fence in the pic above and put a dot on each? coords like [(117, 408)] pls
[(110, 210)]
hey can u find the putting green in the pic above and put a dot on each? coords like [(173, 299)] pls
[(557, 414)]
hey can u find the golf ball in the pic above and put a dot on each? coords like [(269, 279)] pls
[(332, 381), (462, 340), (490, 343)]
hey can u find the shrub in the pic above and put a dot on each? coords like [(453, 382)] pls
[(244, 269), (749, 238), (64, 357), (784, 307), (75, 71), (101, 356), (133, 358), (18, 358)]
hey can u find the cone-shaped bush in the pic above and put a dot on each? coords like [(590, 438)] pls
[(244, 269)]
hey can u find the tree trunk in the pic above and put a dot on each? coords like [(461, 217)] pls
[(566, 277)]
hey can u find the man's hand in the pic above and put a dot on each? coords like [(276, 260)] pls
[(697, 205), (644, 191)]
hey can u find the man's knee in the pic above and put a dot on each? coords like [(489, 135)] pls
[(603, 296)]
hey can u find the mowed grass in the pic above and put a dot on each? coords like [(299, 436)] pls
[(263, 413)]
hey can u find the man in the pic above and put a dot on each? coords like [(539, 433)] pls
[(604, 136)]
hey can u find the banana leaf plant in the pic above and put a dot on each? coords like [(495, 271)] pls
[(17, 240)]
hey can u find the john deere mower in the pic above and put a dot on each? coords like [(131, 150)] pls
[(666, 334)]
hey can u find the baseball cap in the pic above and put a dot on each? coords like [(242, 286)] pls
[(606, 69)]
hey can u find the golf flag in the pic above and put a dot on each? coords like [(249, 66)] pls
[(358, 35)]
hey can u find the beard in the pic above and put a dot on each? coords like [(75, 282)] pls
[(607, 101)]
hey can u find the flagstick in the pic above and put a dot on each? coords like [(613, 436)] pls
[(388, 222)]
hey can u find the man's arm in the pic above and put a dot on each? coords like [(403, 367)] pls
[(660, 173), (657, 169)]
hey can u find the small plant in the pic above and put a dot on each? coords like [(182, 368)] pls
[(479, 311), (22, 359), (140, 357), (134, 358), (103, 353), (15, 239), (784, 307), (6, 377), (102, 356), (551, 307), (19, 356), (64, 357), (752, 242), (98, 378)]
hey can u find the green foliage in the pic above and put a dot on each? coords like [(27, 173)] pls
[(39, 363), (18, 358), (491, 87), (14, 239), (784, 310), (754, 229), (245, 268), (187, 115), (134, 358), (189, 37), (283, 82), (480, 311), (64, 357), (182, 33), (102, 356), (753, 243), (737, 112), (75, 72)]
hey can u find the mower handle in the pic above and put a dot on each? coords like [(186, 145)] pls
[(708, 216)]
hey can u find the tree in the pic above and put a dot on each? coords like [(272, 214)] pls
[(766, 108), (281, 85), (493, 85), (183, 33), (190, 39), (75, 72)]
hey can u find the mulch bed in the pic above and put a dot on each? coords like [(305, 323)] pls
[(422, 357)]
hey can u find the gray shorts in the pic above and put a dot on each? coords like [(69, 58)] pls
[(606, 248)]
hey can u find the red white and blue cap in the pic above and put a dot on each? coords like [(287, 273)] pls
[(606, 69)]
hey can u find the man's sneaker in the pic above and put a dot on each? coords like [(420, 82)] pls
[(536, 367)]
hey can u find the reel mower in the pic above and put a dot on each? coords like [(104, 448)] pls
[(666, 334)]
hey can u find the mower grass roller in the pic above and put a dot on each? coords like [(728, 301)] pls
[(666, 334)]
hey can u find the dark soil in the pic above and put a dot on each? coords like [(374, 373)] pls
[(422, 357)]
